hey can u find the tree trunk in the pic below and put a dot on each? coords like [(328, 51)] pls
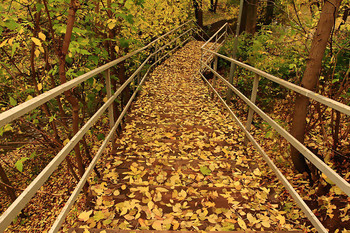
[(62, 73), (213, 5), (198, 12), (269, 12), (249, 16), (252, 13), (4, 178), (311, 76)]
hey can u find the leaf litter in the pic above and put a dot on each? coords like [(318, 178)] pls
[(181, 164)]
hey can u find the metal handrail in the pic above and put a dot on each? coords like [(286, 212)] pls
[(330, 173), (308, 212), (20, 110), (31, 104), (65, 210)]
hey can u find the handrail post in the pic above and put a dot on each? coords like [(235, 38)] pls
[(215, 67), (156, 50), (138, 78), (110, 108), (253, 99), (230, 79), (201, 61)]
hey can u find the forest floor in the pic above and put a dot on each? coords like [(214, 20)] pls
[(181, 164)]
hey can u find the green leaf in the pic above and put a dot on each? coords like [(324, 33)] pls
[(6, 128), (14, 47), (205, 170), (124, 42), (12, 25), (19, 163), (13, 102), (100, 136)]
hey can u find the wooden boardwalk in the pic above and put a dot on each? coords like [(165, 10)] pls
[(181, 164)]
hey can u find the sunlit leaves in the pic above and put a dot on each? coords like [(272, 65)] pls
[(36, 41), (84, 216)]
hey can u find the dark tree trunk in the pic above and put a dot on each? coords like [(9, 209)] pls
[(213, 5), (198, 12), (311, 76), (10, 191), (249, 15), (269, 12)]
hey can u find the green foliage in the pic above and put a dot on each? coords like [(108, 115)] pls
[(6, 128), (205, 170), (19, 163)]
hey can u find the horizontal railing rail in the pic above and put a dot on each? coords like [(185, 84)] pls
[(59, 220), (31, 104), (16, 112), (329, 172)]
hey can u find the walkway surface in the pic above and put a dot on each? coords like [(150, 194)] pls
[(181, 163)]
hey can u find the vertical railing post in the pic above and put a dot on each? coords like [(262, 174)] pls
[(110, 108), (156, 55), (230, 80), (138, 78), (215, 68), (234, 56), (201, 61), (253, 99)]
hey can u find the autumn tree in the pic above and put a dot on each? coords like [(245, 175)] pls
[(311, 76), (198, 10), (213, 5)]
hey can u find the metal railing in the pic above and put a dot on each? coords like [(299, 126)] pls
[(330, 173), (24, 108)]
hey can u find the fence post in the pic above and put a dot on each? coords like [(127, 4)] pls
[(252, 98), (110, 108)]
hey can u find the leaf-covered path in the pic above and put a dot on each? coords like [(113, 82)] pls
[(181, 164)]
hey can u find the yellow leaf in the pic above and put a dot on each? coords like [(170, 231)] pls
[(42, 36), (84, 216), (116, 48), (123, 187), (3, 43), (37, 53), (36, 41), (182, 194), (150, 205), (251, 218), (105, 99), (176, 225), (111, 23), (282, 219), (40, 86), (212, 218), (242, 224), (29, 97), (265, 223), (257, 172), (65, 141), (160, 189), (337, 190), (157, 225), (11, 41), (99, 215)]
